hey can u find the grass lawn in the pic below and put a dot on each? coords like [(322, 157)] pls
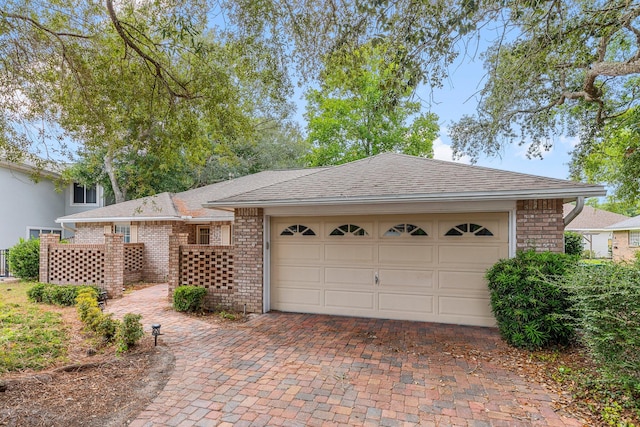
[(31, 336)]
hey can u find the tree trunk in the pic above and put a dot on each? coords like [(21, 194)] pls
[(108, 165)]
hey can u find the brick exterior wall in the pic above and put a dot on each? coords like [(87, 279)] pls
[(620, 249), (248, 237), (539, 225), (155, 236), (90, 233)]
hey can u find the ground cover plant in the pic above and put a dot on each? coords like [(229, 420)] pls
[(68, 373), (30, 338)]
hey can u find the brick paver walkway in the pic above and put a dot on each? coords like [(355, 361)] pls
[(308, 370)]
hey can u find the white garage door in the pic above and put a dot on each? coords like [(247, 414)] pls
[(425, 267)]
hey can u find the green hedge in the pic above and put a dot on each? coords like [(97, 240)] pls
[(64, 295), (24, 259), (189, 298), (606, 300), (531, 309), (573, 243)]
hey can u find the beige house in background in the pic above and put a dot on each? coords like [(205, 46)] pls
[(626, 239), (592, 223)]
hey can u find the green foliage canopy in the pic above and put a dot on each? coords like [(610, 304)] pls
[(359, 110)]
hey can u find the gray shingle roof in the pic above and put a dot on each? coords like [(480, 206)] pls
[(628, 224), (592, 219), (184, 205), (393, 177)]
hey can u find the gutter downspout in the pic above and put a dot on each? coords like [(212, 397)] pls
[(575, 212), (64, 227)]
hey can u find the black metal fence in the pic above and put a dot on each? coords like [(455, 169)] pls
[(4, 263)]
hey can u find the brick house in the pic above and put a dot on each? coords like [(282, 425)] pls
[(390, 236), (151, 220), (626, 239)]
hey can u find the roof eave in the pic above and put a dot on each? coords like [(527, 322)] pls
[(441, 197), (118, 219)]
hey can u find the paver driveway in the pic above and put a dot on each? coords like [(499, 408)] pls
[(310, 370)]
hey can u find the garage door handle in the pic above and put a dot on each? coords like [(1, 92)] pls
[(377, 279)]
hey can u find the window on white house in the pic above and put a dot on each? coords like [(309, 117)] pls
[(203, 235), (34, 233), (125, 230), (634, 238), (83, 195)]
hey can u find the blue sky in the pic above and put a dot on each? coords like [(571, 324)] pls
[(456, 99)]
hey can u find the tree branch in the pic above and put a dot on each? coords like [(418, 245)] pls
[(159, 69)]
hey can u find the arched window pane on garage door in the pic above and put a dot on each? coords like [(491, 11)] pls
[(468, 228), (349, 229), (298, 229), (405, 229)]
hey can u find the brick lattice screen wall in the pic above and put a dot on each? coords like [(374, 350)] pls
[(76, 264), (539, 225), (210, 267), (133, 262)]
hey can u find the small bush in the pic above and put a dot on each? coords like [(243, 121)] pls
[(55, 294), (24, 259), (573, 243), (531, 309), (607, 303), (189, 298), (129, 332), (36, 292), (85, 300)]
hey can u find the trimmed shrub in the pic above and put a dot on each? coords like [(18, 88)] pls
[(531, 308), (55, 294), (189, 298), (24, 259), (129, 332), (573, 243), (607, 304), (36, 292)]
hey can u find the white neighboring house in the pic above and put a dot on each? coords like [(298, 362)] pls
[(28, 207), (593, 224)]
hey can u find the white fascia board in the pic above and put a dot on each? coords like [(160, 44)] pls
[(117, 219), (28, 169), (392, 209), (586, 229), (442, 197), (630, 228)]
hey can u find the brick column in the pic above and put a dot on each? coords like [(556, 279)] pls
[(248, 234), (175, 242), (113, 264), (539, 225), (45, 241)]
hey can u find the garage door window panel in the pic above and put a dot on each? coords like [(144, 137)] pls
[(298, 230), (349, 230), (400, 230), (469, 229)]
